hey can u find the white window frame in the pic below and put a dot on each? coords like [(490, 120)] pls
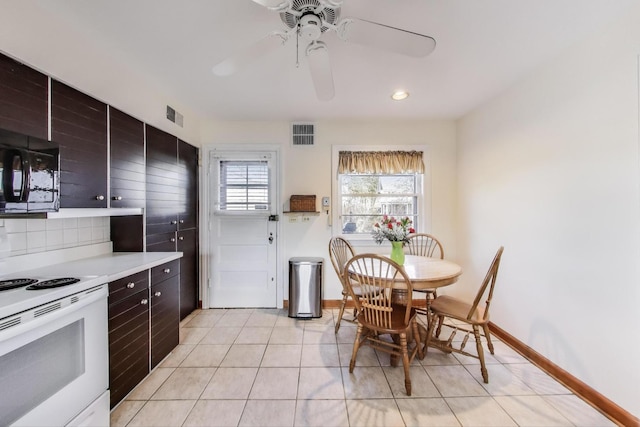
[(424, 193)]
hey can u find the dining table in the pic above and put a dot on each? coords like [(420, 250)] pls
[(426, 273)]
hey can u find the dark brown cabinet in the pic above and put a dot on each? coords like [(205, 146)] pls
[(188, 178), (126, 148), (24, 99), (172, 208), (144, 325), (189, 271), (128, 334), (79, 126), (163, 183), (165, 310)]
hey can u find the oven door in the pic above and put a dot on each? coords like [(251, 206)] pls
[(54, 362)]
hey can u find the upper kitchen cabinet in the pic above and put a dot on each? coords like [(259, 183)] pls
[(163, 182), (23, 98), (126, 138), (79, 125), (188, 164)]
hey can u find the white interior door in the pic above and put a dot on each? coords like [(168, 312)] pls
[(243, 235)]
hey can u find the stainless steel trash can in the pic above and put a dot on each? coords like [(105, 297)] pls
[(305, 287)]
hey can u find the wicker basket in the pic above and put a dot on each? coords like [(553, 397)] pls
[(302, 203)]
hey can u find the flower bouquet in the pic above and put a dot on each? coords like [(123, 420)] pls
[(397, 232)]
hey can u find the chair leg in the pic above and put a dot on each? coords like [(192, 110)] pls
[(416, 337), (483, 368), (427, 340), (405, 363), (488, 337), (341, 312), (356, 346), (440, 322)]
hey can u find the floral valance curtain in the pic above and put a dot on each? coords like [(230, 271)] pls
[(380, 162)]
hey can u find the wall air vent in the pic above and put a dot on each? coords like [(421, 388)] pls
[(174, 116), (302, 133)]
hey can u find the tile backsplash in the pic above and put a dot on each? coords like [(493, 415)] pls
[(27, 236)]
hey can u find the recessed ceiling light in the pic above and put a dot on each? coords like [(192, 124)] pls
[(399, 95)]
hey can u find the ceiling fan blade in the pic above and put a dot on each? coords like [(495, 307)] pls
[(274, 4), (320, 67), (248, 55), (381, 36)]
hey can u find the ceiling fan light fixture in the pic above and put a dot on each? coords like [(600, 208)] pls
[(399, 95)]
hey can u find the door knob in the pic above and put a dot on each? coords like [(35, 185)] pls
[(270, 238)]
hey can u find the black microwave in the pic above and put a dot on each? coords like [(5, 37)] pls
[(30, 171)]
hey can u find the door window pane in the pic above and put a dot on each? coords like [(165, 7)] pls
[(244, 185)]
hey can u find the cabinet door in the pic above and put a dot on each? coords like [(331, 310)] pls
[(162, 183), (79, 125), (23, 99), (189, 272), (188, 164), (161, 242), (128, 334), (127, 160), (165, 318)]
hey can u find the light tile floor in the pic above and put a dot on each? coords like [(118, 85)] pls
[(258, 367)]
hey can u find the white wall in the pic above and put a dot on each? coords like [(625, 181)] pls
[(550, 170), (307, 170)]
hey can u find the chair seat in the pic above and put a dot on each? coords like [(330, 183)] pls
[(457, 309), (397, 321), (356, 290)]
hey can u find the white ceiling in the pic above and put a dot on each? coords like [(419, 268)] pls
[(483, 46)]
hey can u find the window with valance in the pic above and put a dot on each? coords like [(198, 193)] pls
[(376, 183)]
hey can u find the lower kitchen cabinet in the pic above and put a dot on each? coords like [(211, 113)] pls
[(128, 334), (144, 325), (188, 245), (165, 310)]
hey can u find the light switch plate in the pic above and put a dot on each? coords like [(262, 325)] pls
[(326, 202)]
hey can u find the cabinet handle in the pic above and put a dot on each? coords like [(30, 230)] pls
[(144, 301), (158, 294), (173, 239), (182, 221), (174, 222), (100, 197), (166, 270), (181, 238), (131, 285), (117, 197)]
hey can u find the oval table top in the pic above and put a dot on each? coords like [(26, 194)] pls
[(429, 273)]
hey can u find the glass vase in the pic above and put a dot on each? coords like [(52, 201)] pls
[(397, 252)]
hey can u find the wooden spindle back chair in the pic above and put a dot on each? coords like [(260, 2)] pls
[(379, 314)]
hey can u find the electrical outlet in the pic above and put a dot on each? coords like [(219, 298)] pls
[(306, 219), (293, 219)]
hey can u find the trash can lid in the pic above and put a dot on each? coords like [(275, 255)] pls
[(306, 260)]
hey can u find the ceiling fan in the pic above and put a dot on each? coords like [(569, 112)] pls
[(307, 20)]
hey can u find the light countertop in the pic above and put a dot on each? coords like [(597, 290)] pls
[(113, 266)]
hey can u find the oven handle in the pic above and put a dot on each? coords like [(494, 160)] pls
[(88, 298)]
